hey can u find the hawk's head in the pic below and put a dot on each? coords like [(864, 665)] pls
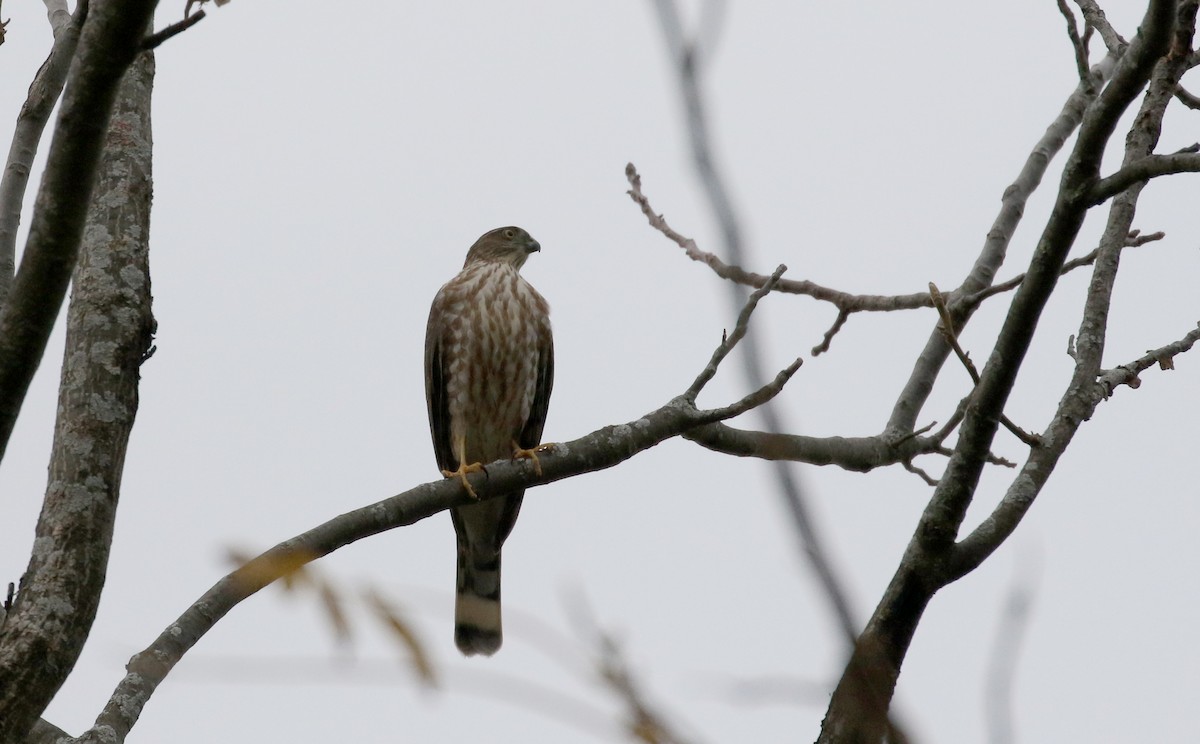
[(509, 245)]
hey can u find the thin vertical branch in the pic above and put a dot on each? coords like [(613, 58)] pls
[(44, 91), (108, 43), (1002, 667), (683, 55)]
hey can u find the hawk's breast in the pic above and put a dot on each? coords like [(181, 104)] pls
[(491, 347)]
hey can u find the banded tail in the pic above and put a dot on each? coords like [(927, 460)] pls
[(477, 604)]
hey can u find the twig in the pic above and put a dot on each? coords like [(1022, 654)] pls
[(914, 434), (1134, 240), (947, 327), (154, 40), (1164, 358), (1078, 44), (1187, 98), (842, 316), (738, 275), (728, 341), (910, 467)]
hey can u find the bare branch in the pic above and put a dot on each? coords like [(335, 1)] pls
[(1164, 358), (1075, 407), (1079, 45), (1144, 169), (842, 316), (929, 363), (599, 450), (1134, 240), (858, 454), (859, 704), (842, 300), (910, 467), (1084, 392), (1094, 17), (58, 14), (157, 38), (946, 326), (107, 46), (44, 91), (728, 341), (1187, 98)]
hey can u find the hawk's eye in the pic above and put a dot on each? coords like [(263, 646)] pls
[(510, 233)]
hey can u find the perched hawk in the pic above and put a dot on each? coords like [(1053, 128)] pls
[(489, 366)]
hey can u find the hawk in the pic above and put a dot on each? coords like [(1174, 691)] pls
[(489, 367)]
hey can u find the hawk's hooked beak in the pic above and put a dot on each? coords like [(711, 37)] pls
[(532, 246)]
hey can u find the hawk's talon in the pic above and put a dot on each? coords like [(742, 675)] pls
[(461, 474), (531, 454)]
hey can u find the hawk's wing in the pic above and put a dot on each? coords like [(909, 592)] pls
[(531, 434), (436, 364)]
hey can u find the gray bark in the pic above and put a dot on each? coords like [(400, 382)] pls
[(109, 328), (110, 39)]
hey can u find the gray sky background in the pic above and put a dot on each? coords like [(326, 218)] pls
[(320, 171)]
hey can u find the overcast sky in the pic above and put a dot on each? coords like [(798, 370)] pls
[(320, 171)]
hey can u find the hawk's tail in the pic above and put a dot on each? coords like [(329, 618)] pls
[(477, 605)]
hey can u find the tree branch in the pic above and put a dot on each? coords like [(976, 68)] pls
[(844, 301), (1094, 16), (731, 340), (1142, 170), (109, 326), (1079, 45), (44, 91), (996, 528), (108, 44), (859, 454), (1084, 393), (156, 39), (1135, 239), (929, 363), (1187, 98), (599, 450), (858, 708)]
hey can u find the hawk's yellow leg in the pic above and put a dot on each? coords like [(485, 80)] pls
[(460, 451)]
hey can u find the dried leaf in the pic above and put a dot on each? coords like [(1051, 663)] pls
[(333, 605), (288, 569), (404, 632)]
